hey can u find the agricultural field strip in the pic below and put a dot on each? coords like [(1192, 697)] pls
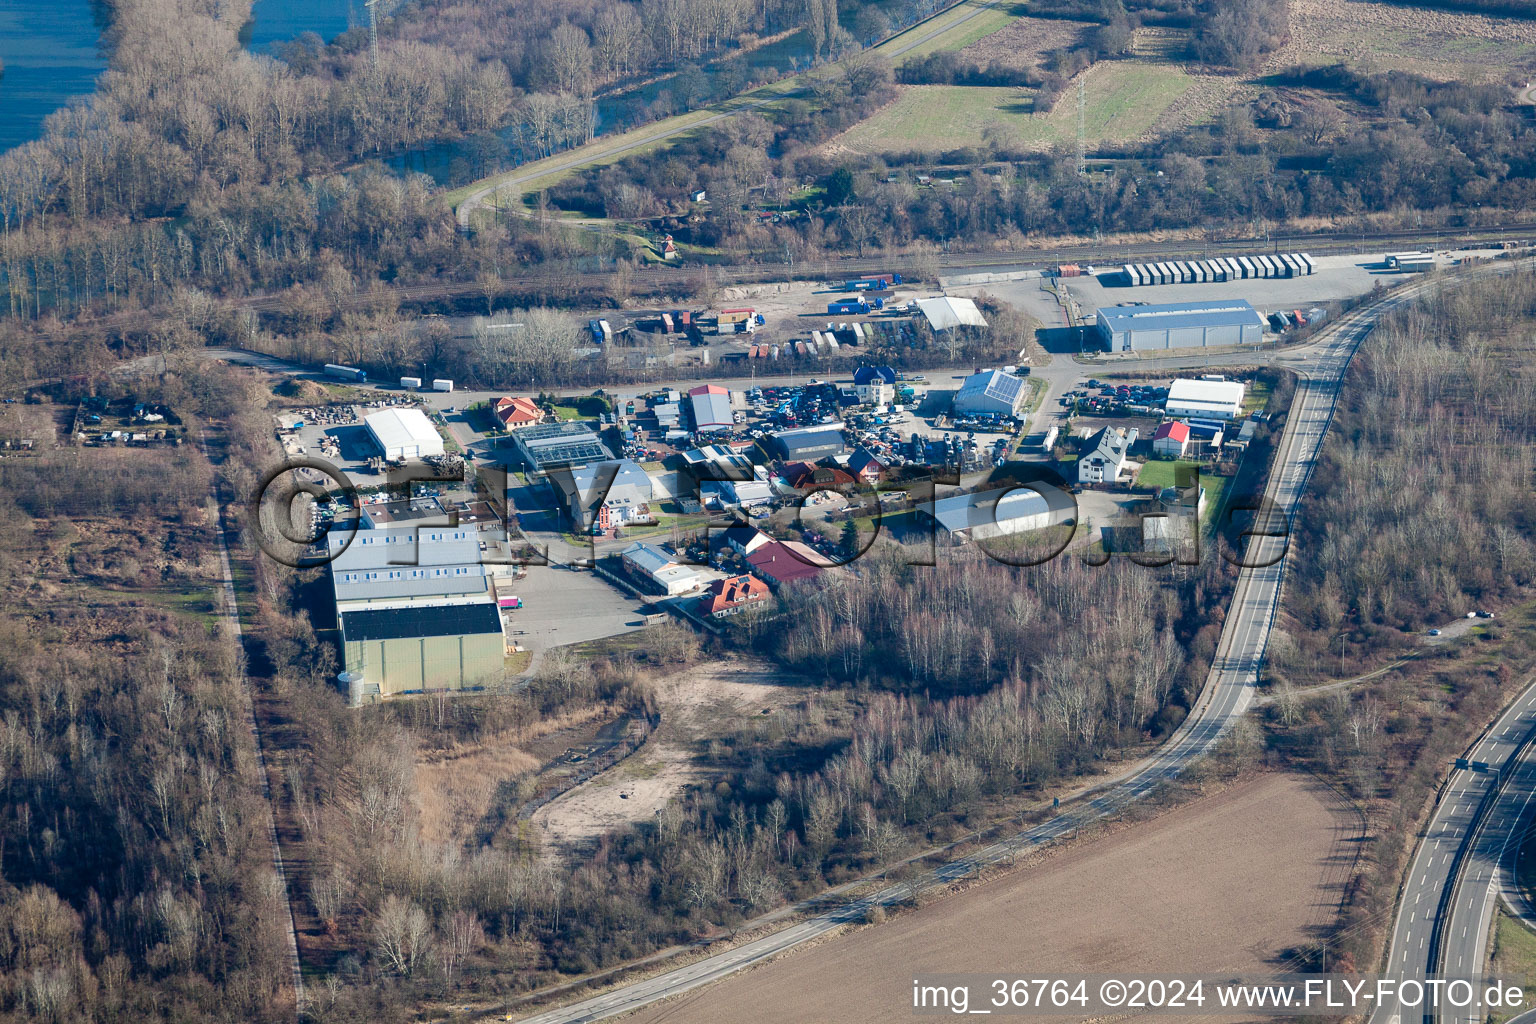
[(610, 150)]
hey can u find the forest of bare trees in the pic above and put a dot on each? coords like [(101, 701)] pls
[(1424, 507)]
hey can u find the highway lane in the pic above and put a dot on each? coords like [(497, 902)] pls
[(1227, 694), (1452, 880), (1458, 861)]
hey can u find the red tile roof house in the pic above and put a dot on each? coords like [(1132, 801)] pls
[(803, 476), (786, 562), (731, 595), (517, 412)]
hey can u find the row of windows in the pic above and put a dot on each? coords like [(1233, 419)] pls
[(407, 536), (402, 574)]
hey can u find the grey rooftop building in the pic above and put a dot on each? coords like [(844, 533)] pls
[(1179, 325), (552, 444)]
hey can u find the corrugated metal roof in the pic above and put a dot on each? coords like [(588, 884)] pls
[(393, 584), (432, 620), (1205, 392), (711, 409), (646, 558), (406, 561), (807, 439), (1176, 315)]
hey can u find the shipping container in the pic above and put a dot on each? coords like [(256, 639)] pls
[(1069, 270), (410, 382), (442, 384), (666, 323), (344, 372), (1308, 262)]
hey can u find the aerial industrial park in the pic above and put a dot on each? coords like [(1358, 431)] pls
[(789, 512)]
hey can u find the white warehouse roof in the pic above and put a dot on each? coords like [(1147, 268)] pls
[(945, 312), (404, 433), (1212, 395)]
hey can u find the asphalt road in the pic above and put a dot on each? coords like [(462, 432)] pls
[(1228, 692), (1448, 900), (1460, 855)]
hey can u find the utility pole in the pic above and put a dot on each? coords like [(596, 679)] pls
[(373, 31), (1082, 130)]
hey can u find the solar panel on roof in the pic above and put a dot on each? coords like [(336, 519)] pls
[(435, 620)]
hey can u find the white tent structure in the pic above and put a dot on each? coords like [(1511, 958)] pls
[(946, 312), (404, 433)]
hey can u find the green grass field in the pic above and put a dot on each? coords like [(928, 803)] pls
[(1514, 955), (1123, 100), (944, 117), (1157, 474)]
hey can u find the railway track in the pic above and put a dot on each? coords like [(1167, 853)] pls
[(751, 269)]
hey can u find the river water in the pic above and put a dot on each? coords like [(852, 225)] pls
[(50, 50)]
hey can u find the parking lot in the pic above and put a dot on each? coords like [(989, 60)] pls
[(565, 606)]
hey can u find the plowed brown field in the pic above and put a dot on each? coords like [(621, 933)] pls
[(1224, 884)]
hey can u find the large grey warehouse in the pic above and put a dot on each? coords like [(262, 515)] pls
[(1179, 325)]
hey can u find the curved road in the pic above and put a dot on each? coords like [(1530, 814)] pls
[(1228, 691)]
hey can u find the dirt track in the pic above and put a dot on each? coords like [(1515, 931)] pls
[(1224, 884), (692, 704)]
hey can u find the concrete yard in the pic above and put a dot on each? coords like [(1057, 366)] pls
[(563, 606), (1337, 277)]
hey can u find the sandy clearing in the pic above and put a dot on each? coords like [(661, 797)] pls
[(1223, 884), (643, 783)]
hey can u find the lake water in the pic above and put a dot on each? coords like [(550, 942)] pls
[(50, 50)]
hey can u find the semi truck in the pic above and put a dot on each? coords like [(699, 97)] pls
[(340, 372), (843, 307), (873, 283)]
